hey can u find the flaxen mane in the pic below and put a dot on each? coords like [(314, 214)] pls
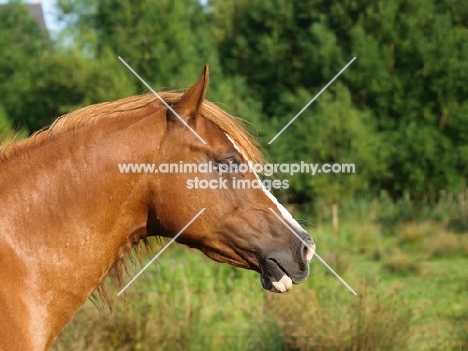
[(92, 114), (232, 126)]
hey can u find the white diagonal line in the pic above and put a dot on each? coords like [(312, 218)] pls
[(160, 98), (320, 258), (160, 252), (311, 101)]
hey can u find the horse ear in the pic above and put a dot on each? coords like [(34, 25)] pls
[(189, 104)]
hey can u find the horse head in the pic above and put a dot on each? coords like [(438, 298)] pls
[(242, 225)]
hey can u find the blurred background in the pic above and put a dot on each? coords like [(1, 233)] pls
[(396, 230)]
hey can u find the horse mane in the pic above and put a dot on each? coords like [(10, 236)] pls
[(232, 126)]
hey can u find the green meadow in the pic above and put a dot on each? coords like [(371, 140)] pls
[(411, 276)]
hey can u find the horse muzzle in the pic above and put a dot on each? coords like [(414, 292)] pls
[(278, 276)]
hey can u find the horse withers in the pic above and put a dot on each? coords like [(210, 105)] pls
[(68, 215)]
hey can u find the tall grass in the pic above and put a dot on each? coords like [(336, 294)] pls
[(190, 304), (409, 274), (328, 318)]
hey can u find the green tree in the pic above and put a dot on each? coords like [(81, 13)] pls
[(65, 80), (39, 82), (410, 73), (332, 132), (21, 42), (167, 42)]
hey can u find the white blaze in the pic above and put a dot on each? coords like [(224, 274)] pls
[(284, 212), (285, 283)]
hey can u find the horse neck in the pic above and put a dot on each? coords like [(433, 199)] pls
[(69, 216)]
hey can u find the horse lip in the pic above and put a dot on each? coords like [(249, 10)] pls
[(279, 266), (269, 279), (295, 278)]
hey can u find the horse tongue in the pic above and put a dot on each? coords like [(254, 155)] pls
[(285, 284)]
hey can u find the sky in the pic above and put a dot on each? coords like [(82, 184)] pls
[(48, 6), (50, 14), (49, 9)]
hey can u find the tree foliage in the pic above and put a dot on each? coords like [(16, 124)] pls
[(332, 132), (399, 112), (40, 82), (410, 74)]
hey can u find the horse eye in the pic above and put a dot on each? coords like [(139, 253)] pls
[(229, 161)]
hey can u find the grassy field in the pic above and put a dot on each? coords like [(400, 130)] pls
[(408, 264)]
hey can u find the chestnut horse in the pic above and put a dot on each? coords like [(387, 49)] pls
[(68, 215)]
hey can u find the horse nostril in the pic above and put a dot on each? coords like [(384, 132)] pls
[(309, 250)]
